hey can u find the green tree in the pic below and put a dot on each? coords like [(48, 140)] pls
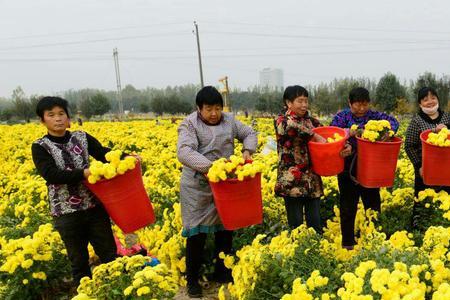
[(85, 107), (388, 92), (157, 105), (171, 104), (426, 79), (269, 100), (342, 87), (144, 107), (95, 106), (22, 106), (323, 99), (100, 104), (6, 109), (262, 104), (403, 107), (6, 114), (179, 106), (444, 91), (441, 85)]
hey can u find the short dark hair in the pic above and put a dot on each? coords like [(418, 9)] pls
[(48, 103), (208, 95), (294, 91), (358, 94), (423, 92)]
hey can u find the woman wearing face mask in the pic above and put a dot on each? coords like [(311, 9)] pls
[(430, 116)]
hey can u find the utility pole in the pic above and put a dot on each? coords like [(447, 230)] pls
[(225, 92), (199, 54), (119, 86)]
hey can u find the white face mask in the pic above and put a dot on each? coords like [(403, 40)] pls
[(430, 110)]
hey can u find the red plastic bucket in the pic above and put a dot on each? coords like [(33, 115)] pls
[(435, 162), (377, 162), (325, 158), (125, 200), (239, 203)]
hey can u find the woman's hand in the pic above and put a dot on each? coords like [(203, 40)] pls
[(318, 138), (385, 137), (135, 155), (86, 173), (347, 151), (439, 127), (246, 155)]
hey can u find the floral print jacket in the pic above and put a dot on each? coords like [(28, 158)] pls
[(295, 177)]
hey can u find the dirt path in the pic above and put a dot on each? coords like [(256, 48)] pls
[(209, 292)]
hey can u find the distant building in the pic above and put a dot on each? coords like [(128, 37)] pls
[(271, 78)]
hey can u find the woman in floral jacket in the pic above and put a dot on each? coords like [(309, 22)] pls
[(296, 183)]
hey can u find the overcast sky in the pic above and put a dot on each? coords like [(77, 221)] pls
[(51, 46)]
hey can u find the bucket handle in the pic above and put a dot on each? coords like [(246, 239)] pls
[(352, 166)]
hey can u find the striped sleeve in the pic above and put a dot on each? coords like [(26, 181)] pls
[(187, 147), (246, 135), (413, 145)]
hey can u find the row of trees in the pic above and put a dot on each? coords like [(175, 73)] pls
[(388, 95), (24, 108)]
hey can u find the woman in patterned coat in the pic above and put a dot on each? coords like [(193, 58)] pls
[(296, 183), (61, 157), (203, 137), (430, 116)]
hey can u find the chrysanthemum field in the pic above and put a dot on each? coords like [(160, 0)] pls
[(391, 261)]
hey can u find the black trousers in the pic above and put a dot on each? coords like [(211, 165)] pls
[(294, 209), (80, 228), (419, 186), (195, 246), (350, 193)]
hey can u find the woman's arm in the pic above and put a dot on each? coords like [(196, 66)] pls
[(412, 144), (246, 135), (287, 126), (95, 148), (46, 167), (187, 149)]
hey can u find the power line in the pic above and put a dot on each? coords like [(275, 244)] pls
[(240, 49), (255, 34), (339, 28), (294, 53), (329, 27), (95, 40), (89, 31), (145, 58), (315, 37)]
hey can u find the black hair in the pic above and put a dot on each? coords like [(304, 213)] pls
[(208, 95), (358, 94), (48, 103), (294, 91), (423, 92)]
